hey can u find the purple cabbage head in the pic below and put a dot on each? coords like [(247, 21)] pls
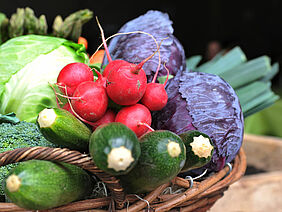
[(136, 47), (207, 103)]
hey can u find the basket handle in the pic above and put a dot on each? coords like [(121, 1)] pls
[(67, 156)]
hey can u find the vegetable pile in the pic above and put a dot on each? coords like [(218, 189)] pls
[(142, 116), (122, 83)]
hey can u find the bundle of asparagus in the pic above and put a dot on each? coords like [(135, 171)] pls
[(251, 79), (25, 22)]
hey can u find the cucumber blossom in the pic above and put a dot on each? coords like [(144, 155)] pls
[(199, 149), (40, 185), (162, 157), (61, 127), (114, 148)]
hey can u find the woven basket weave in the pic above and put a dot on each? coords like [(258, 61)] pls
[(196, 197)]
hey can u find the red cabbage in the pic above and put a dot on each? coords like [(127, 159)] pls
[(207, 103)]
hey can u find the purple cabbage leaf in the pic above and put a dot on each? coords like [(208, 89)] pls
[(136, 47), (207, 103)]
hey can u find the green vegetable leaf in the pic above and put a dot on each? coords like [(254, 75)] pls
[(162, 79), (9, 118)]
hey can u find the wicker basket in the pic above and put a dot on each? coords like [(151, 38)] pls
[(197, 196)]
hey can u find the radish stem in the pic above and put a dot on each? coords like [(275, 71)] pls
[(97, 72), (125, 33), (69, 97), (57, 99), (158, 68), (104, 42), (140, 65), (167, 76)]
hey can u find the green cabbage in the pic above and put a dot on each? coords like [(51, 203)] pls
[(27, 64)]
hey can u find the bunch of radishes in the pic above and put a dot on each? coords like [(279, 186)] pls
[(122, 83)]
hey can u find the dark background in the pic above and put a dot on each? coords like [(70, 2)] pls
[(256, 26)]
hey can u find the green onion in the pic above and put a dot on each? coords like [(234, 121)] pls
[(228, 61), (247, 72), (270, 101), (274, 70), (209, 63), (255, 97), (193, 61)]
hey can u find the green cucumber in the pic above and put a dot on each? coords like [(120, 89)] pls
[(40, 185), (162, 157), (114, 148), (199, 149), (61, 127)]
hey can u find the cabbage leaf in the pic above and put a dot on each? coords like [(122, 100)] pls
[(27, 64)]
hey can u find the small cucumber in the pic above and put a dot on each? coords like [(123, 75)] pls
[(199, 149), (61, 127), (40, 185), (162, 157), (114, 148)]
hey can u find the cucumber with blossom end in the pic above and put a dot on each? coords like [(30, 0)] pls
[(61, 127), (40, 185), (199, 149), (162, 157), (114, 148)]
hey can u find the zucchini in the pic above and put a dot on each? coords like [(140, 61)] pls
[(114, 148), (40, 185), (61, 127), (199, 149), (162, 157)]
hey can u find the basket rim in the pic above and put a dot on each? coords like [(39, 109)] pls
[(201, 194)]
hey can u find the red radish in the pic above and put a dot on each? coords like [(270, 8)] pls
[(72, 75), (92, 101), (126, 82), (135, 117), (126, 86), (108, 117), (155, 97), (114, 65)]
